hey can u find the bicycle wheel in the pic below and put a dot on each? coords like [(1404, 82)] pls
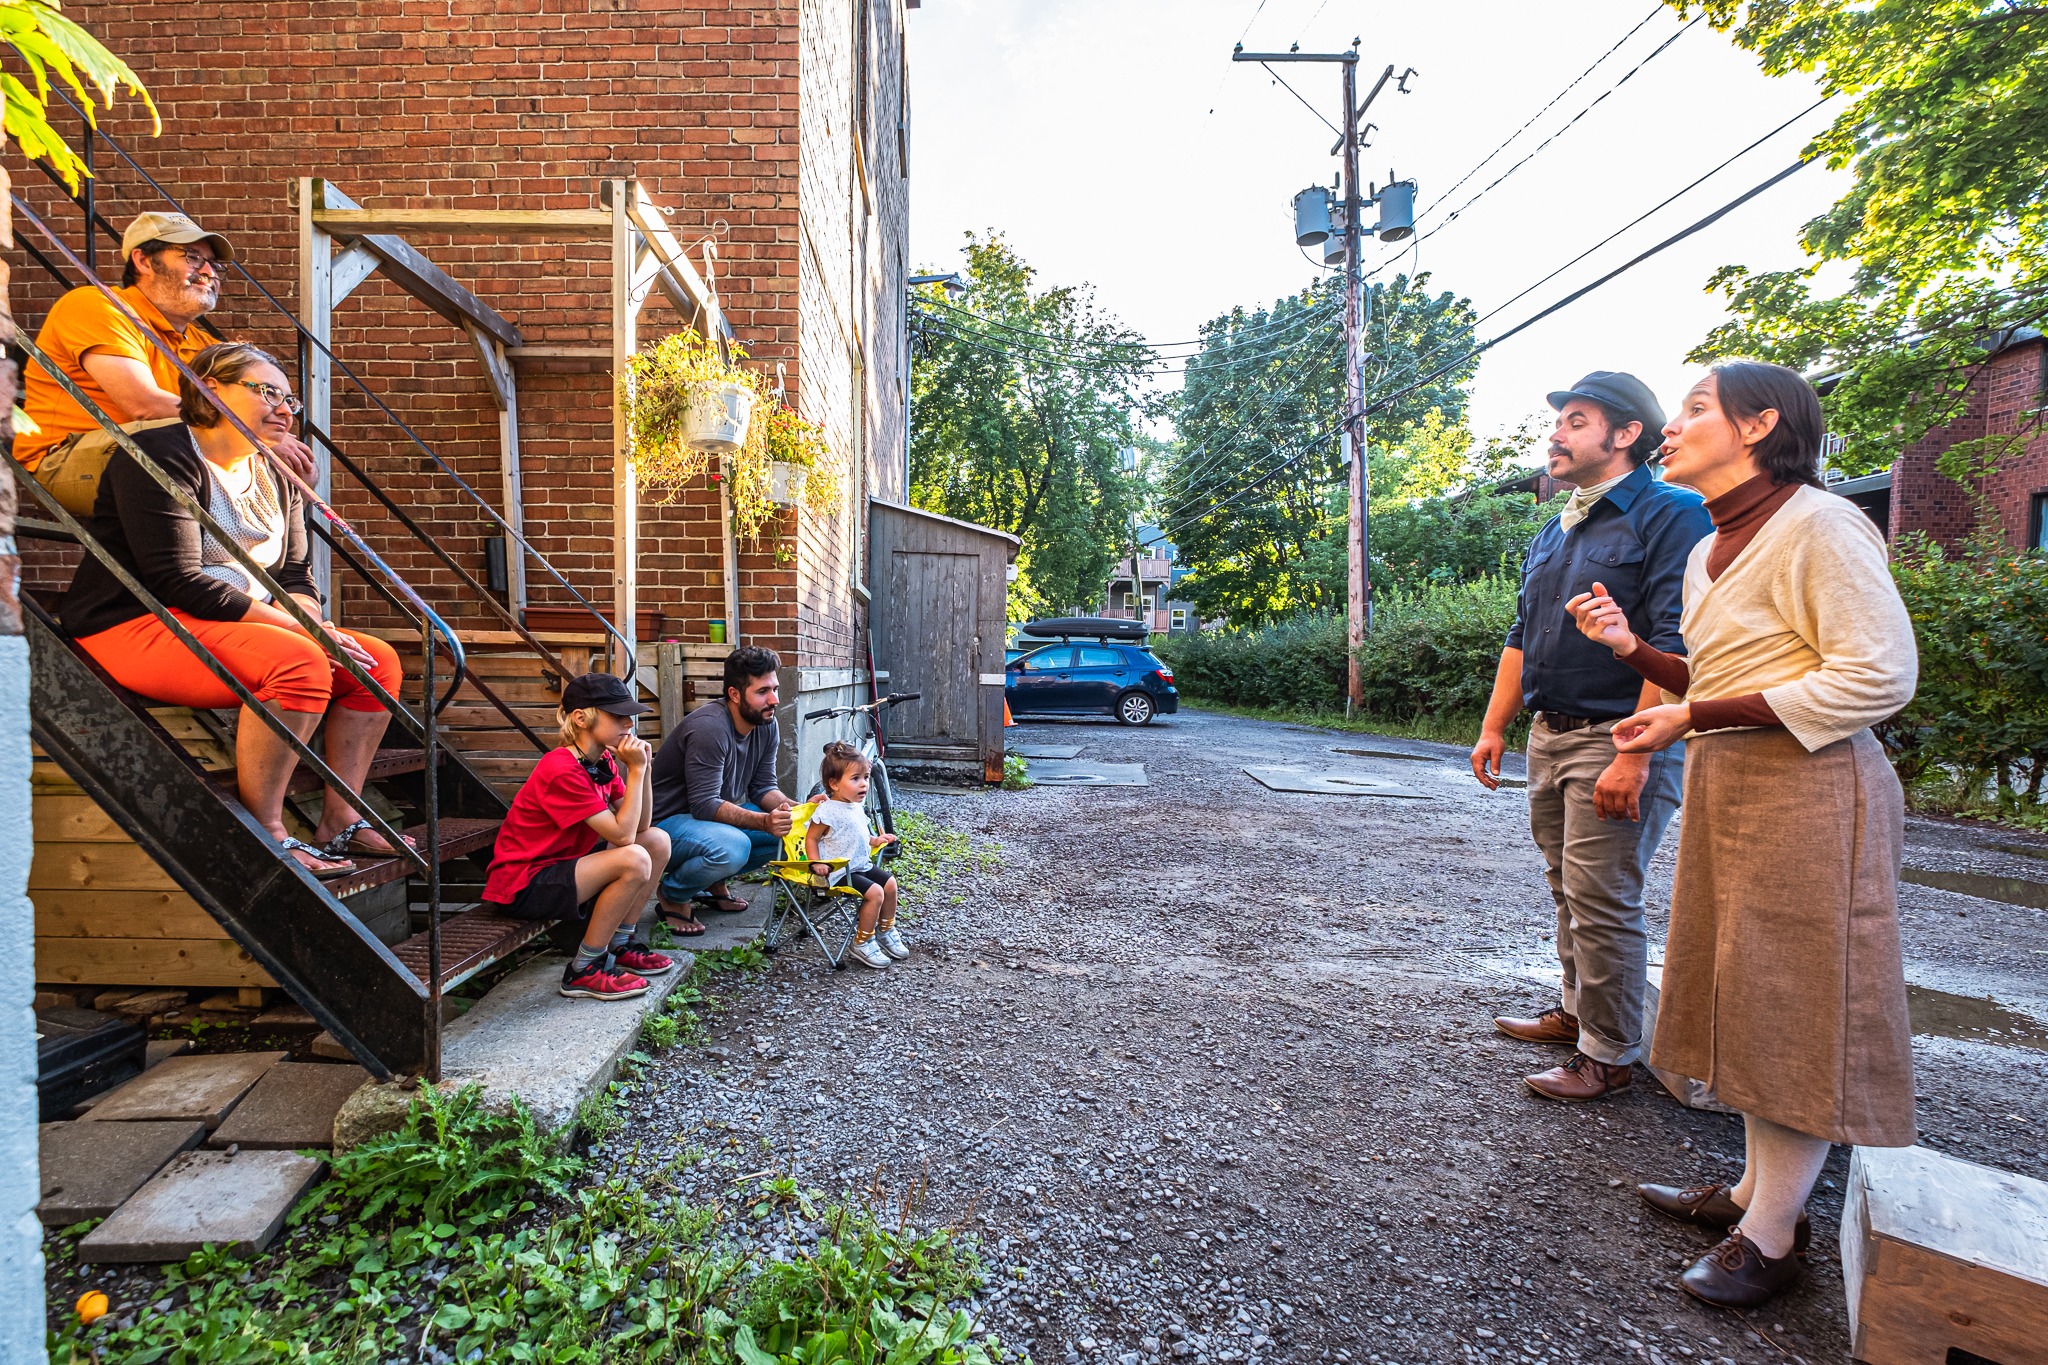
[(882, 804)]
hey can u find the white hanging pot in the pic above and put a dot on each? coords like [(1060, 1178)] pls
[(719, 414), (786, 483)]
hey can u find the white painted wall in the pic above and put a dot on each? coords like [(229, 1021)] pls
[(21, 1236)]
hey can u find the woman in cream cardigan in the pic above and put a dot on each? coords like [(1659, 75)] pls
[(1783, 986)]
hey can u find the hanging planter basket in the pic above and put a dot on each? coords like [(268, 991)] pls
[(718, 418), (786, 483)]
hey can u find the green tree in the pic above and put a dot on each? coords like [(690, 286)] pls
[(1255, 496), (1946, 222), (1023, 402)]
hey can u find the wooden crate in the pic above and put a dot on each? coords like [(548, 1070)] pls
[(1941, 1254)]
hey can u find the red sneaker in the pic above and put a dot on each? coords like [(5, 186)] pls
[(601, 981), (643, 960)]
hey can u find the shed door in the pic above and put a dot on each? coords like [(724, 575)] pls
[(933, 613)]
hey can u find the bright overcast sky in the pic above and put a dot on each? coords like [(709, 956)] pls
[(1114, 142)]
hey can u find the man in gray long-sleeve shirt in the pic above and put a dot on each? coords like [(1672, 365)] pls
[(715, 794)]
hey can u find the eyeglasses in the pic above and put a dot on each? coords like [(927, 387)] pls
[(273, 396), (199, 261)]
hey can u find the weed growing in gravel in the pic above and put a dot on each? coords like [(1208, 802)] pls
[(931, 850), (1016, 772), (426, 1246)]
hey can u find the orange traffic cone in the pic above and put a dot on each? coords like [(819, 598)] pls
[(1007, 722)]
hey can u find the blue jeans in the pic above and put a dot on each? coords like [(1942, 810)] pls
[(702, 853)]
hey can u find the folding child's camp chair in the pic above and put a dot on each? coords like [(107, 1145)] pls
[(831, 913)]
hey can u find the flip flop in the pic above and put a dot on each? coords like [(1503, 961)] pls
[(683, 926), (349, 841), (724, 905), (291, 845)]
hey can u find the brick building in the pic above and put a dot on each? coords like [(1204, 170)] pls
[(2008, 395), (775, 129)]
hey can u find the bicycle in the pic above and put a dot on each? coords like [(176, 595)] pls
[(881, 801)]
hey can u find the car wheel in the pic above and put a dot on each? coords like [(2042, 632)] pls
[(1134, 708)]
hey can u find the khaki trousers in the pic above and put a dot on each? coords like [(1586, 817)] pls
[(1595, 869)]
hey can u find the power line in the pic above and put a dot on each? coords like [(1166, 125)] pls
[(1385, 400), (1275, 325), (1152, 368), (1544, 110), (1532, 154)]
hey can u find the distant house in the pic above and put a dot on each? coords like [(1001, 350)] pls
[(1158, 573), (2008, 392)]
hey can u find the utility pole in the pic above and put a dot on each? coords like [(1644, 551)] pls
[(1358, 605)]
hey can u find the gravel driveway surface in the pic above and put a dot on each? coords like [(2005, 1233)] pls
[(1209, 1071)]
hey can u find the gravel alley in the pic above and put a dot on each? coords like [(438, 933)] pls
[(1209, 1071)]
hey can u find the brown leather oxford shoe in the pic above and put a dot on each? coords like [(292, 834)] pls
[(1551, 1026), (1580, 1078), (1736, 1275), (1711, 1207)]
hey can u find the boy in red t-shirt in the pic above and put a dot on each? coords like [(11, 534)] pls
[(548, 863)]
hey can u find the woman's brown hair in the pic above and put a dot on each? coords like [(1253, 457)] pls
[(226, 361), (1790, 452)]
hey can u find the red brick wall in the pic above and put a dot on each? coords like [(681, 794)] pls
[(2005, 398), (491, 104)]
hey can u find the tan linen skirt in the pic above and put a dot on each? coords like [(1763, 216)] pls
[(1783, 986)]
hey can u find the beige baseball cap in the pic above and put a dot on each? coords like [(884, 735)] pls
[(171, 227)]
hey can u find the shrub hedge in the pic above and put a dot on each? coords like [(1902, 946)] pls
[(1431, 652)]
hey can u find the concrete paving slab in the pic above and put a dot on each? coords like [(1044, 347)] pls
[(236, 1201), (1331, 783), (524, 1039), (730, 931), (293, 1106), (1053, 773), (326, 1044), (204, 1088), (163, 1049), (1046, 750), (89, 1168)]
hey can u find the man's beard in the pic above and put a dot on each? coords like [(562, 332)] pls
[(754, 717)]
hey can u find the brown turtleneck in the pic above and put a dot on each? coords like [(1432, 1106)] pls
[(1738, 515)]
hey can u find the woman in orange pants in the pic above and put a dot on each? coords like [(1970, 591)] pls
[(233, 618)]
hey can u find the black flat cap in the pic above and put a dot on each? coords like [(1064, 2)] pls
[(1623, 392), (603, 691)]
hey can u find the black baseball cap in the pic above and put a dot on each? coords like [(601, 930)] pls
[(603, 691), (1622, 392)]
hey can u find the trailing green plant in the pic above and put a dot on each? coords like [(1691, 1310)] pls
[(43, 40), (664, 388), (1974, 738), (1016, 772)]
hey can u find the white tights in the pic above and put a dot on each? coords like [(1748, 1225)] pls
[(1780, 1166)]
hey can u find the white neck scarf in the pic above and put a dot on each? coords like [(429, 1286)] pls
[(1580, 505)]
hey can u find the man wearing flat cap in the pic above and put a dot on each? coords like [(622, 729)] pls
[(114, 350), (1596, 814)]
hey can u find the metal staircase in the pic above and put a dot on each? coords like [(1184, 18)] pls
[(329, 944)]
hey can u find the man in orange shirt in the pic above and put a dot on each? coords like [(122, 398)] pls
[(169, 280)]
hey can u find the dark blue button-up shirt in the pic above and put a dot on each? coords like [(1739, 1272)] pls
[(1635, 542)]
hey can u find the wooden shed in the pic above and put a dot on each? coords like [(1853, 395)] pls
[(939, 614)]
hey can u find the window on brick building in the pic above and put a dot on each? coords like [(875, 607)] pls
[(2038, 532)]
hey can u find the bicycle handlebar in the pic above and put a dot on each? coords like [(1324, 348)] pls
[(878, 704)]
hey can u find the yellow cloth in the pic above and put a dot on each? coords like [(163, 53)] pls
[(1808, 615), (86, 320), (1580, 505)]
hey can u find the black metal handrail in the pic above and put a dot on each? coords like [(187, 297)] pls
[(305, 337)]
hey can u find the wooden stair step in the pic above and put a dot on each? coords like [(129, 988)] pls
[(470, 942), (460, 835)]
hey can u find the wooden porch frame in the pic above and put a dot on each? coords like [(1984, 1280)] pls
[(342, 243)]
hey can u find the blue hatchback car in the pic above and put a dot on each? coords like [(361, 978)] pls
[(1090, 677)]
